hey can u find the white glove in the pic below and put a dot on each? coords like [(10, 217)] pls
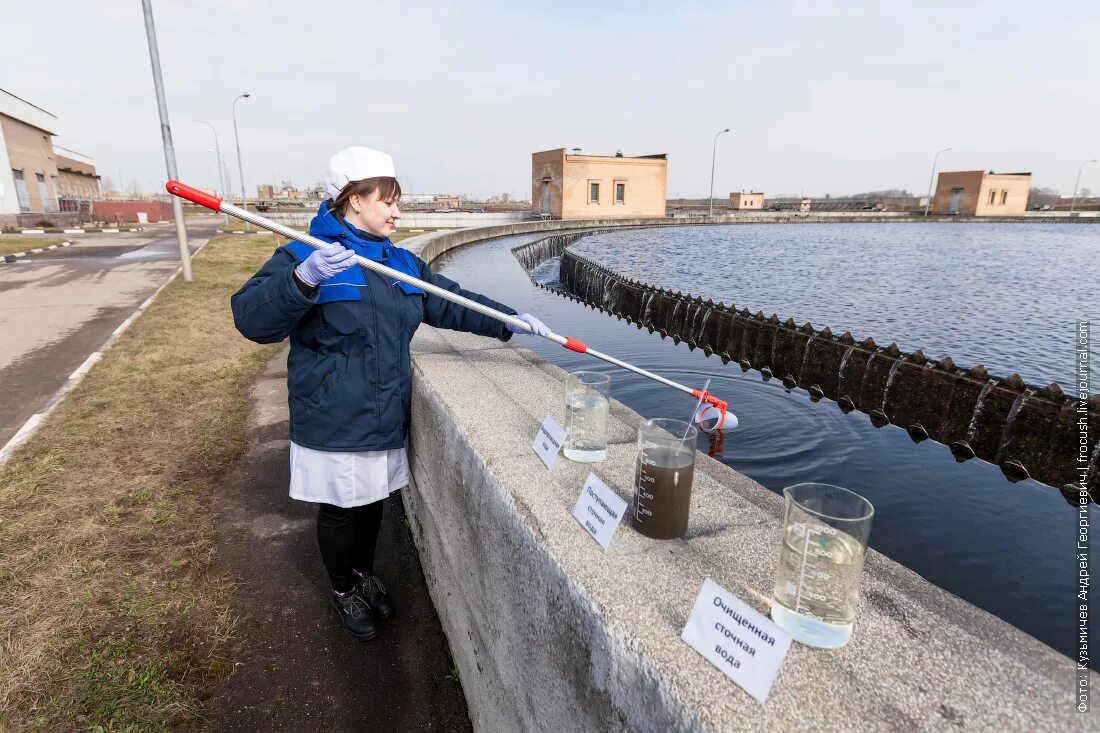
[(538, 328), (324, 263)]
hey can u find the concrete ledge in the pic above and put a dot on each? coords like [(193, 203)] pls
[(550, 632)]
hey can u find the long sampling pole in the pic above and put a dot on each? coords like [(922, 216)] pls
[(220, 206)]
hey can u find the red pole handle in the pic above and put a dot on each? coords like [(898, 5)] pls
[(194, 195)]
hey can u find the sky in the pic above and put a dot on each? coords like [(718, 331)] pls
[(821, 97)]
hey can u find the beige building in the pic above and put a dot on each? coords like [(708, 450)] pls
[(981, 193), (76, 176), (747, 201), (34, 176), (598, 186)]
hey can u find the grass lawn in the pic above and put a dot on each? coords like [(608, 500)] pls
[(115, 616), (11, 245)]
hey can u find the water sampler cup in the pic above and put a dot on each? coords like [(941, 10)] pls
[(825, 533), (587, 400), (662, 481)]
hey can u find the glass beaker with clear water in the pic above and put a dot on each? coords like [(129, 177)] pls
[(662, 480), (825, 533), (587, 401)]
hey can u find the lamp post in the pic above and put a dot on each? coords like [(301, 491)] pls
[(166, 136), (713, 157), (931, 178), (1077, 183), (218, 152), (237, 139)]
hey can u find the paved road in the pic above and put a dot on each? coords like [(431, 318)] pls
[(58, 307)]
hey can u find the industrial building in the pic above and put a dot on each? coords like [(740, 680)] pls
[(981, 193), (747, 201), (35, 178), (565, 186)]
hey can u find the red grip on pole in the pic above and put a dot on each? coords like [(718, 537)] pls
[(573, 345), (710, 399), (194, 195)]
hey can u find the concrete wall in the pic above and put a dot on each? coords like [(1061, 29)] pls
[(418, 219), (549, 632), (127, 211)]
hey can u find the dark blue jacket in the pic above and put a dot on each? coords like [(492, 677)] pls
[(349, 375)]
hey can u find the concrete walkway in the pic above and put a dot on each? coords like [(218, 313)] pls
[(297, 669)]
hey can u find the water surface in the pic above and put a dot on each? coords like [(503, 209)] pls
[(1007, 548)]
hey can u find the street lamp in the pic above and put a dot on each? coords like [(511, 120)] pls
[(1078, 183), (713, 156), (236, 137), (928, 199), (218, 152), (166, 137)]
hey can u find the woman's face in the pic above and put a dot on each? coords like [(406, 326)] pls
[(374, 215)]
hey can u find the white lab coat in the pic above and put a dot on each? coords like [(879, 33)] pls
[(346, 479)]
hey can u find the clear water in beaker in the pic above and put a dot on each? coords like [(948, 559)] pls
[(821, 555), (663, 478), (587, 402)]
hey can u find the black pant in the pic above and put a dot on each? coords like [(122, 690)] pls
[(347, 538)]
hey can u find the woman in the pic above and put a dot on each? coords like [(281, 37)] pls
[(348, 374)]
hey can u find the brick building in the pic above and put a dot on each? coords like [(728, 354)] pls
[(981, 193), (598, 186), (34, 177)]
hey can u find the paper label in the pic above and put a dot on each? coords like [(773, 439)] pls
[(599, 510), (548, 441), (746, 645)]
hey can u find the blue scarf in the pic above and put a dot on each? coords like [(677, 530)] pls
[(348, 285)]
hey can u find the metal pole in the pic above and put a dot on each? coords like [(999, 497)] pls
[(218, 152), (166, 136), (713, 156), (931, 178), (216, 204), (1077, 183), (237, 138)]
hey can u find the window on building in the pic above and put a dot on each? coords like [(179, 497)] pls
[(992, 196), (21, 191), (594, 193), (620, 193), (1004, 197), (43, 196)]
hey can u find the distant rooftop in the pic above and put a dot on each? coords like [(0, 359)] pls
[(51, 114), (27, 112), (659, 156)]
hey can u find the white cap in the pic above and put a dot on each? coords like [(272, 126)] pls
[(355, 164)]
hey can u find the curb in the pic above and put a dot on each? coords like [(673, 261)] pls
[(91, 230), (15, 257), (31, 425)]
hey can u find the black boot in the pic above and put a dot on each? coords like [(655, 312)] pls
[(359, 620), (371, 588)]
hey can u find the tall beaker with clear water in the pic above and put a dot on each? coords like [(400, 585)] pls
[(587, 401), (662, 480), (825, 533)]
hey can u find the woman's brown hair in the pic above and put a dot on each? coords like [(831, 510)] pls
[(387, 187)]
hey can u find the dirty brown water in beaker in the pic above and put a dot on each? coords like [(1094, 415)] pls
[(662, 492)]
